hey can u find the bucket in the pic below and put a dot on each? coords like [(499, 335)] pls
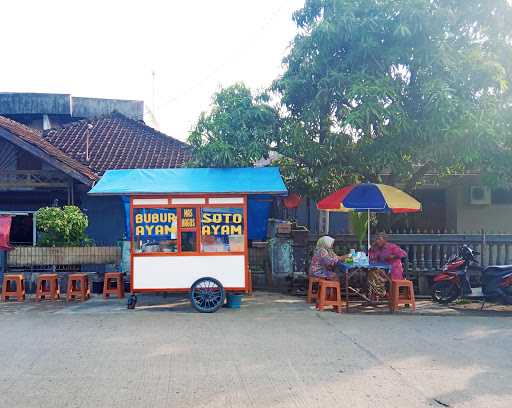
[(233, 300)]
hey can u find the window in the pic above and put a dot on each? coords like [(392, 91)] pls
[(155, 230), (222, 230), (501, 196), (188, 230)]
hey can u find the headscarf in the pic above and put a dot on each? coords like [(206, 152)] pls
[(325, 242)]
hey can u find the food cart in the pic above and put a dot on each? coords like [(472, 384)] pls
[(189, 228)]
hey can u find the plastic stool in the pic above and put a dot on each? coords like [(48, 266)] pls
[(331, 299), (118, 289), (78, 287), (47, 287), (7, 289), (407, 298), (313, 286)]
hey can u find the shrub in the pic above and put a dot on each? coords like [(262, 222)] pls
[(62, 226)]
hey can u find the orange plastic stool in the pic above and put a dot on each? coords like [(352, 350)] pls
[(47, 287), (332, 299), (117, 289), (313, 287), (407, 298), (78, 287), (7, 287)]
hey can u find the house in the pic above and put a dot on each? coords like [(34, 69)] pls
[(58, 166), (461, 204)]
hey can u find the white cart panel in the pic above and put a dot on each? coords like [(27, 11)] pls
[(175, 272)]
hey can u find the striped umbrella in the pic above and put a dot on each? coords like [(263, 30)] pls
[(370, 197)]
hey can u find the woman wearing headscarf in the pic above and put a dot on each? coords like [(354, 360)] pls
[(392, 254), (324, 259)]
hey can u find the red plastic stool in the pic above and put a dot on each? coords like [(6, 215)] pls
[(7, 288), (47, 287), (78, 287), (117, 289), (329, 299), (313, 286), (396, 298)]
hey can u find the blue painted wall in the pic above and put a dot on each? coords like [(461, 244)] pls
[(106, 218)]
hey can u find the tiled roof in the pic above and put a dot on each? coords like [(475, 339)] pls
[(117, 142), (34, 137)]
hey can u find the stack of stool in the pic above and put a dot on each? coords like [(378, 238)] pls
[(78, 287), (329, 294), (313, 285), (407, 298), (8, 291), (47, 287), (117, 289)]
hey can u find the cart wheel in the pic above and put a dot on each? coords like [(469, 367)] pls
[(132, 301), (207, 295)]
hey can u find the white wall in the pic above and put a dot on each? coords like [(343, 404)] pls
[(168, 272), (494, 218)]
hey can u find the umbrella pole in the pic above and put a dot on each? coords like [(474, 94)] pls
[(368, 222)]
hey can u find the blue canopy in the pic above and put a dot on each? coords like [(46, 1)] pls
[(251, 180)]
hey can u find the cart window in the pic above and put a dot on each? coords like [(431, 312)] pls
[(188, 241), (222, 230), (155, 230)]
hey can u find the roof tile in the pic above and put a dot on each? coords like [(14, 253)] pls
[(117, 142), (34, 137)]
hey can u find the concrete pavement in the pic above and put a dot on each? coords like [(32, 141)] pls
[(274, 352)]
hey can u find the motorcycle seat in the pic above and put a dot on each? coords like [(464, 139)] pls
[(498, 269)]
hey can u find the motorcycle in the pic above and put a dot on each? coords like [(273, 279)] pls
[(453, 281)]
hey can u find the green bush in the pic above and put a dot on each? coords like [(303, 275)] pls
[(62, 226)]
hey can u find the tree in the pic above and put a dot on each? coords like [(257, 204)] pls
[(237, 132), (411, 86), (377, 86)]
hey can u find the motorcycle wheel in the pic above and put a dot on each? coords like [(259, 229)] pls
[(507, 296), (445, 292)]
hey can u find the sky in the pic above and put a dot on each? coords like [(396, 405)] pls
[(111, 48)]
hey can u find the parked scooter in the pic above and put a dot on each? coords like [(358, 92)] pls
[(453, 281)]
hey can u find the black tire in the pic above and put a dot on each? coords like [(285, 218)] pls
[(506, 299), (445, 292), (207, 295)]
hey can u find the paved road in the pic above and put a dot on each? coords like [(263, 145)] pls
[(275, 352)]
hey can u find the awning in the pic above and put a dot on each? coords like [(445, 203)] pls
[(251, 180)]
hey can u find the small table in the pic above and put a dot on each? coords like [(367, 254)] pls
[(347, 267)]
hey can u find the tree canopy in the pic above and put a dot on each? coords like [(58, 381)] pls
[(237, 132), (379, 86)]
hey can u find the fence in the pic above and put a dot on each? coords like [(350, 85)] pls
[(428, 252), (31, 256)]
